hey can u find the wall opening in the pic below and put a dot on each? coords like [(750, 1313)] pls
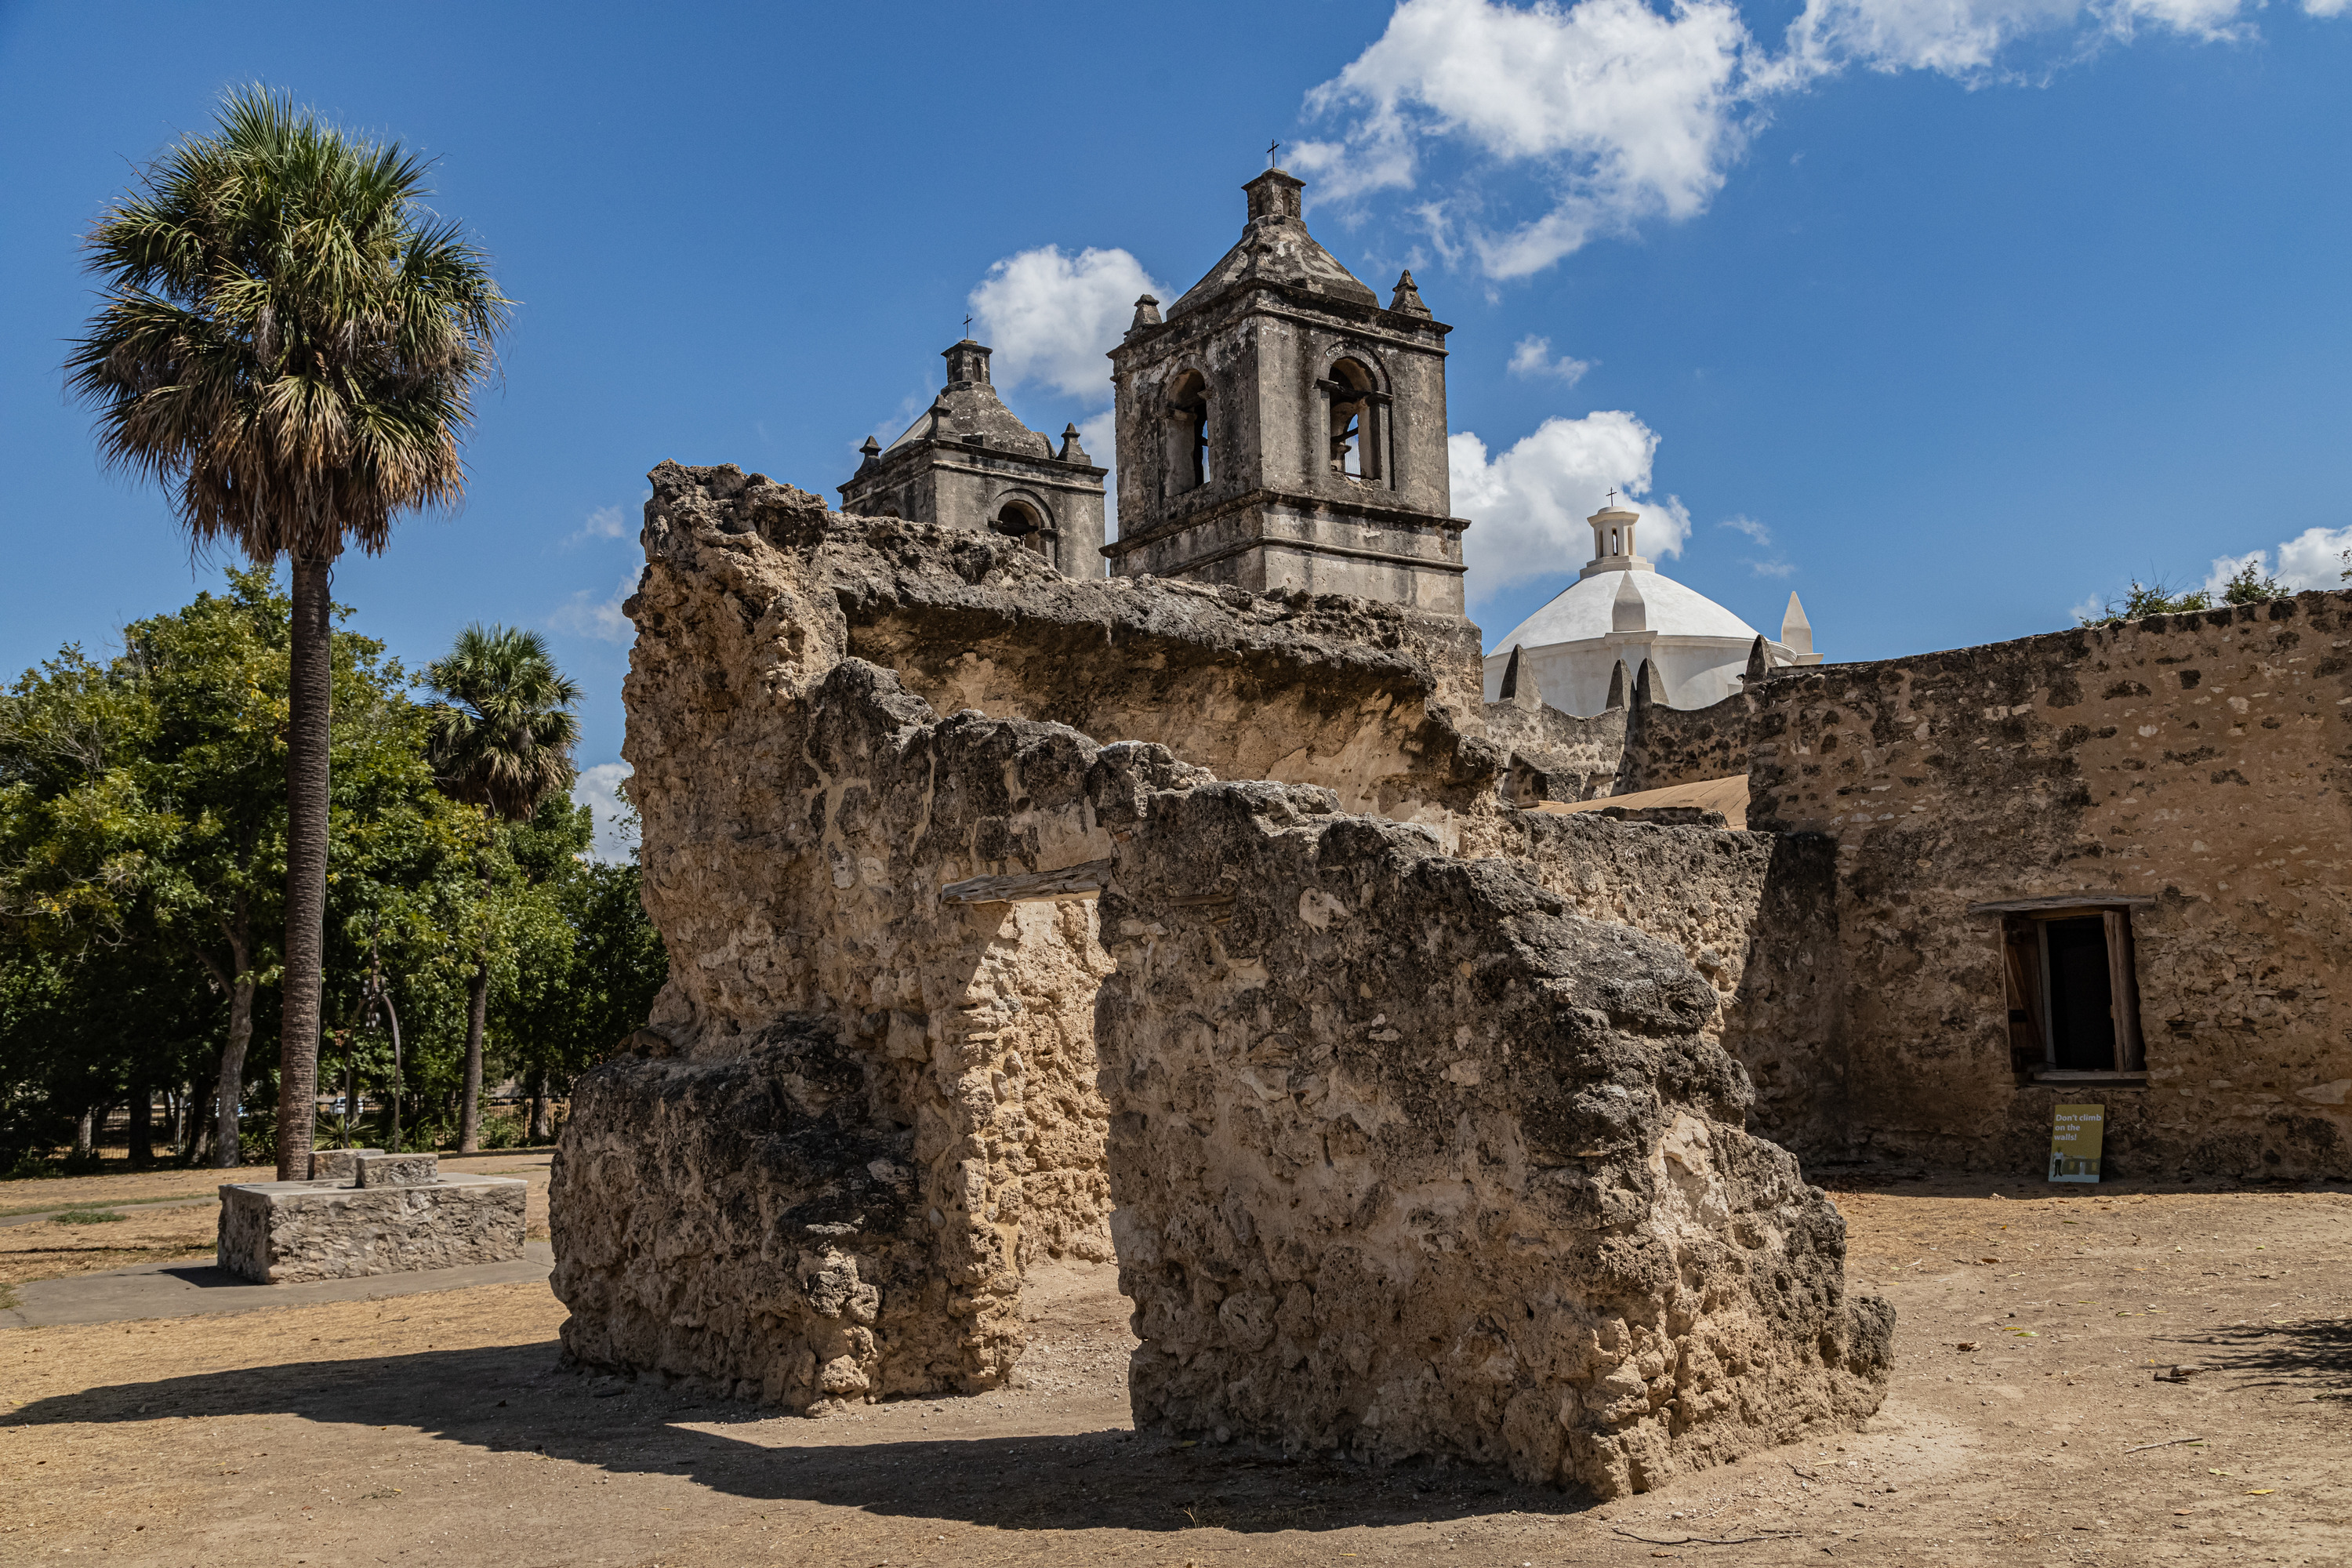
[(1353, 454), (1189, 466), (1019, 520), (2072, 991)]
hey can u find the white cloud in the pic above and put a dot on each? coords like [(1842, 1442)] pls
[(1532, 357), (1051, 318), (1622, 113), (601, 619), (1964, 38), (604, 523), (2315, 558), (1527, 505), (1749, 526), (1631, 113), (2326, 7), (599, 789)]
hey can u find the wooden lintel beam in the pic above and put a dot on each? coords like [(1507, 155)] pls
[(1078, 881)]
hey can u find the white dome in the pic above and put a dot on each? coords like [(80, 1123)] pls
[(1583, 610)]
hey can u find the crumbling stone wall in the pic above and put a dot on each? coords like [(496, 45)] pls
[(1621, 750), (2202, 761), (1754, 913), (870, 1098), (1666, 746), (1410, 1160)]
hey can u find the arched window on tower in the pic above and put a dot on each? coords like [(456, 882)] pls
[(1354, 453), (1019, 520), (1188, 434)]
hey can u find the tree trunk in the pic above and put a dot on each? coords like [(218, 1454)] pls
[(540, 1132), (85, 1136), (142, 1125), (477, 1005), (232, 1074), (310, 692)]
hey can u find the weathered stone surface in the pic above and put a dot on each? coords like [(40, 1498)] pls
[(337, 1164), (868, 1102), (2202, 761), (373, 1169), (279, 1232), (1410, 1160)]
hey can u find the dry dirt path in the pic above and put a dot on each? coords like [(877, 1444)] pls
[(439, 1429)]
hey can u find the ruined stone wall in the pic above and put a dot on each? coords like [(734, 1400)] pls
[(1666, 746), (1557, 756), (2202, 761), (803, 814), (1753, 913), (1412, 1160), (870, 1098)]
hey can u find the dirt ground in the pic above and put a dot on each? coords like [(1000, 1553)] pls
[(2026, 1424), (155, 1229)]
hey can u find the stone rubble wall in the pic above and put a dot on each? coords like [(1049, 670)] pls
[(1557, 756), (869, 1100), (1754, 913), (2201, 760), (1412, 1160)]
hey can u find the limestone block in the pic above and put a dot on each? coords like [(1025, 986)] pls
[(1410, 1160), (337, 1164), (375, 1169), (279, 1232)]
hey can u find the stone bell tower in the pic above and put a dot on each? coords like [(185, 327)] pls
[(1279, 429)]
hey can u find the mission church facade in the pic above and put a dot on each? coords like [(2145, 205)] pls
[(1281, 430)]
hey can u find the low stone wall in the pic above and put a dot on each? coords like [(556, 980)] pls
[(2202, 762), (1645, 745), (1412, 1160), (281, 1232)]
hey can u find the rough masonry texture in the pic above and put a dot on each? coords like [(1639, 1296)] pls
[(2198, 765), (896, 777), (1413, 1160), (409, 1216)]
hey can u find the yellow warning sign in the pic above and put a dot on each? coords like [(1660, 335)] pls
[(2075, 1143)]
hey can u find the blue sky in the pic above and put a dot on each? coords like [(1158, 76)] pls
[(1951, 318)]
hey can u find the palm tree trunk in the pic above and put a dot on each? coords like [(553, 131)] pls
[(477, 1007), (310, 692)]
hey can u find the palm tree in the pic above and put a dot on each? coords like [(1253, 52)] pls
[(289, 341), (503, 741)]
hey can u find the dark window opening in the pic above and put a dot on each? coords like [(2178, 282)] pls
[(1352, 453), (1018, 520), (1189, 466), (2073, 992)]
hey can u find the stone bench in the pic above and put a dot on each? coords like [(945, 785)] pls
[(385, 1213)]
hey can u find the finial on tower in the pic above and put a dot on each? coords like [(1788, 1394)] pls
[(1270, 148), (1406, 300)]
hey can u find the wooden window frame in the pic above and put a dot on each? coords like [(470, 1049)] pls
[(2025, 967)]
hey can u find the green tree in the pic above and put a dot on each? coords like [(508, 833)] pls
[(288, 341), (142, 813), (2250, 585), (502, 739)]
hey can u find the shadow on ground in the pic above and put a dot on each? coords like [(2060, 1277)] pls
[(517, 1398)]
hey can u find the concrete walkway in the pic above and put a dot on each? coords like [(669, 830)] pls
[(178, 1289)]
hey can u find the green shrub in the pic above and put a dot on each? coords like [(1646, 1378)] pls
[(84, 1216)]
